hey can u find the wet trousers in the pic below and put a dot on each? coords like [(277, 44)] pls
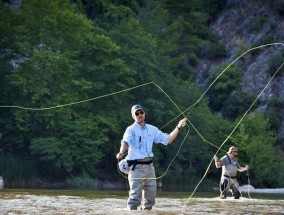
[(143, 188), (228, 184)]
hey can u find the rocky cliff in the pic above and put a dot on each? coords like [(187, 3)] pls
[(245, 24)]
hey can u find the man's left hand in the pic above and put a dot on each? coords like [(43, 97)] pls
[(182, 123)]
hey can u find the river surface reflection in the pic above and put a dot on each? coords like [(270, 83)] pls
[(71, 202)]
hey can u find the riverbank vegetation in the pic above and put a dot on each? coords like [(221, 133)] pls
[(111, 55)]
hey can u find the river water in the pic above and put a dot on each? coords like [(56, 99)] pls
[(73, 202)]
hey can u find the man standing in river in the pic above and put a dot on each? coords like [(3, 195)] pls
[(230, 168), (138, 139)]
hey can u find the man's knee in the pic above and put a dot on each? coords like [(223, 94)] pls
[(224, 184), (236, 194)]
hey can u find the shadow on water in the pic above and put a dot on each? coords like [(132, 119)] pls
[(46, 201)]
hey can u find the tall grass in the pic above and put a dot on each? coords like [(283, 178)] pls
[(17, 172), (83, 181)]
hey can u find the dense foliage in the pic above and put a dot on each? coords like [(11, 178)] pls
[(77, 67)]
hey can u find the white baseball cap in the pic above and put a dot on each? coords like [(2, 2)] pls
[(232, 148), (135, 108)]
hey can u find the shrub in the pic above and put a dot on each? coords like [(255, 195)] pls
[(82, 181)]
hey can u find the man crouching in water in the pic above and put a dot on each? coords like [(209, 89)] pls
[(230, 168)]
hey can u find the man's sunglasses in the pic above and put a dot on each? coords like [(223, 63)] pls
[(139, 112)]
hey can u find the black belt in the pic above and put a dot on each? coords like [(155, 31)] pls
[(227, 176), (135, 162)]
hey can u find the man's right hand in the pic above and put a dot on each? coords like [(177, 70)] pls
[(119, 155)]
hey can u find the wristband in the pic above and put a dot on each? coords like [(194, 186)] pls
[(178, 128)]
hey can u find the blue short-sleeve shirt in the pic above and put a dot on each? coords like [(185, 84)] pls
[(140, 140)]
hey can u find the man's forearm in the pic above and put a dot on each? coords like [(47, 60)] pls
[(123, 147), (173, 135), (122, 150), (217, 162)]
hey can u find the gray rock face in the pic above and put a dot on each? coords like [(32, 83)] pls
[(244, 25)]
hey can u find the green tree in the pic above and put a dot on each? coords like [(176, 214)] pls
[(46, 68), (237, 104), (222, 83), (58, 56), (154, 17), (240, 140), (74, 150), (273, 113), (140, 51), (62, 59), (259, 151)]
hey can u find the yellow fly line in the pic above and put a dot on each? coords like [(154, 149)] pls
[(182, 112)]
